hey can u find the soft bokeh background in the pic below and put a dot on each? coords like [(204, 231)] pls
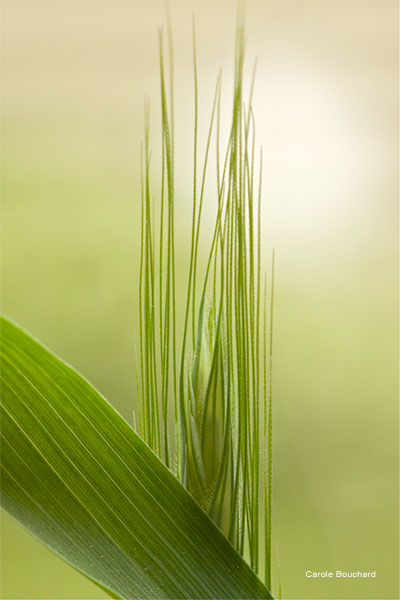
[(75, 74)]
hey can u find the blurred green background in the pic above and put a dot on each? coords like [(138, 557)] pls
[(74, 78)]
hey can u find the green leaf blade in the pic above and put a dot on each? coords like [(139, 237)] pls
[(80, 479)]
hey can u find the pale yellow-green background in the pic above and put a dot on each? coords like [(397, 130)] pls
[(74, 77)]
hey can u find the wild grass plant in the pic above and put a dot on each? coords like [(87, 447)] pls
[(204, 376), (78, 477)]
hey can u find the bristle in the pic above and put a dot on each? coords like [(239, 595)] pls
[(210, 417)]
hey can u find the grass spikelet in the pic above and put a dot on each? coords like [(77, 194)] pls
[(205, 403)]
